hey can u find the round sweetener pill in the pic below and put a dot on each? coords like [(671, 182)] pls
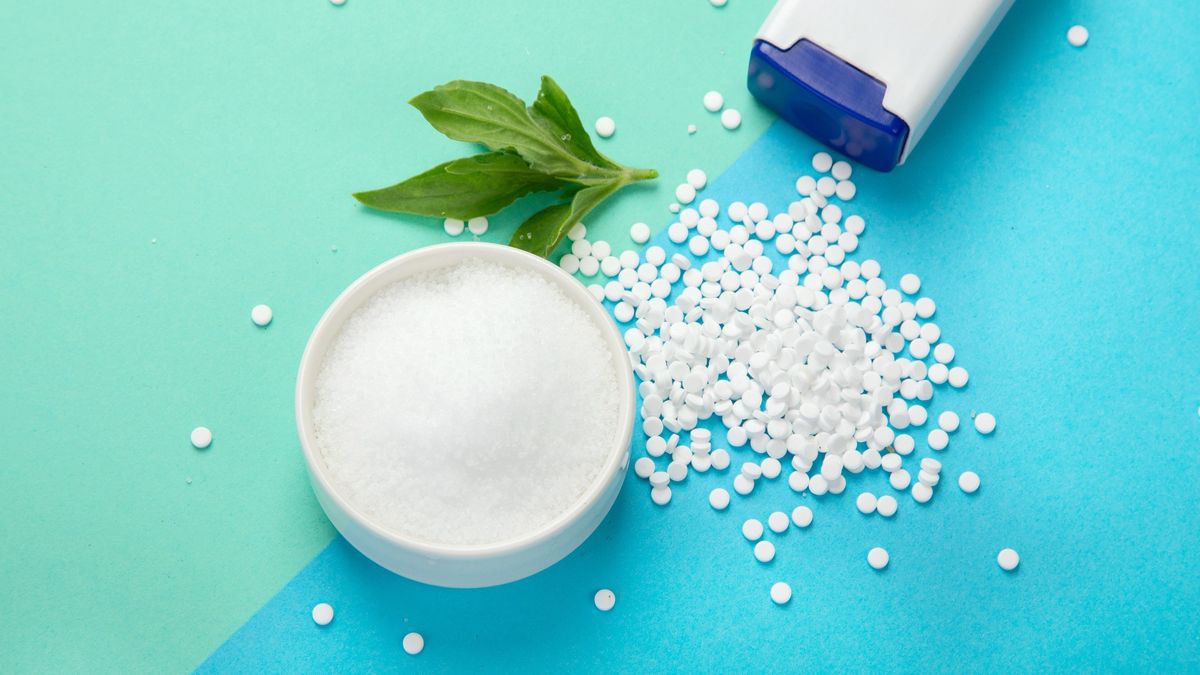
[(938, 440), (589, 266), (1077, 36), (764, 551), (697, 178), (985, 423), (569, 263), (958, 377), (806, 185), (877, 558), (714, 101), (623, 311), (841, 169), (655, 256), (413, 643), (604, 599), (777, 521), (652, 427), (752, 529), (921, 492), (478, 225), (757, 211), (736, 211), (639, 233), (201, 438), (660, 495), (802, 516), (643, 467), (656, 446), (731, 119), (838, 486), (322, 614), (943, 353), (685, 193), (453, 226), (822, 162), (742, 485), (781, 593), (605, 126), (261, 315), (718, 498), (919, 348), (677, 470), (917, 415), (1008, 559), (891, 462), (771, 468), (826, 186), (925, 307), (720, 459), (938, 373), (886, 506), (866, 502), (948, 421), (856, 225), (930, 332), (610, 266), (968, 481)]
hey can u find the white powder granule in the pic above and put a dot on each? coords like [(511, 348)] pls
[(468, 405)]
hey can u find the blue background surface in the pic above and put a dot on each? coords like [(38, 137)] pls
[(1050, 213)]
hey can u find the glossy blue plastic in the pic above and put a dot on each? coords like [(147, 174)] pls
[(830, 100)]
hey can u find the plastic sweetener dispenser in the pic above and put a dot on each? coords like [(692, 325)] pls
[(866, 77)]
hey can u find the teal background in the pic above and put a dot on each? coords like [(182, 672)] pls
[(234, 133), (1049, 211)]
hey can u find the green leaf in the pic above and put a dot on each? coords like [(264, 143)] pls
[(542, 232), (554, 112), (537, 148), (478, 112), (464, 188)]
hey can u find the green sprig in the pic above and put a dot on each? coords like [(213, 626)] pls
[(538, 148)]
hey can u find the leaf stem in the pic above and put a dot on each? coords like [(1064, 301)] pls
[(642, 174)]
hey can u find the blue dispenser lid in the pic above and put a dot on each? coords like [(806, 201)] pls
[(829, 99)]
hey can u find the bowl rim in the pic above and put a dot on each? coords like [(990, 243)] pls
[(310, 364)]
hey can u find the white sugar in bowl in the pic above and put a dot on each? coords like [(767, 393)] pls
[(464, 565)]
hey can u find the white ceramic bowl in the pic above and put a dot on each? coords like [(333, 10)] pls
[(464, 566)]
